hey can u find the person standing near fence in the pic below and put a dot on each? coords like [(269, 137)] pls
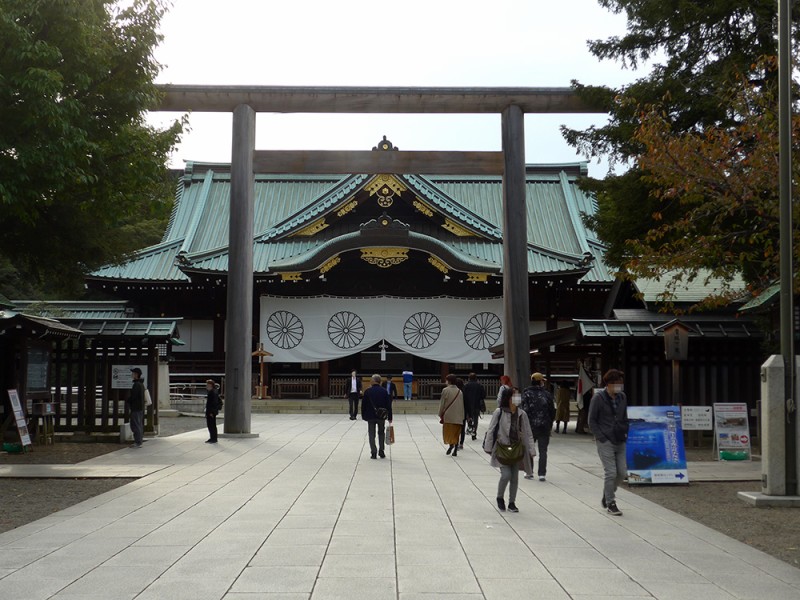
[(408, 380), (213, 405), (136, 405), (353, 394)]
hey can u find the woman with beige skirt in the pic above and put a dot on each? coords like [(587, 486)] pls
[(451, 414)]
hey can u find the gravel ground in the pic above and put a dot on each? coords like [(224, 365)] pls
[(776, 531)]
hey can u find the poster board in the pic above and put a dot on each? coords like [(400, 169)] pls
[(122, 378), (655, 451), (697, 418), (19, 417), (731, 431)]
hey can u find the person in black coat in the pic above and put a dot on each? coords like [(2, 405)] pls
[(136, 405), (376, 398), (213, 404), (353, 394), (391, 387), (474, 398), (538, 404)]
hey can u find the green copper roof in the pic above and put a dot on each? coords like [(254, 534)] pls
[(197, 236)]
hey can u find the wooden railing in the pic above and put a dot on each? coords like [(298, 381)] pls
[(304, 387)]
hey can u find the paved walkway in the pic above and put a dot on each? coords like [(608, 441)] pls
[(303, 512)]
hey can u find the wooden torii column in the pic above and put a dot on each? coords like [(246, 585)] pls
[(245, 101)]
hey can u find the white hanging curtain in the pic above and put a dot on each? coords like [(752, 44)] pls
[(458, 330)]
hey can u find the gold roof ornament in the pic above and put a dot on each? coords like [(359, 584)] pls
[(438, 264), (291, 277), (456, 229), (422, 207), (477, 277), (350, 206), (329, 264), (384, 257), (312, 229)]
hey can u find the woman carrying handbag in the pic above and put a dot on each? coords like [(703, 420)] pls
[(451, 414), (509, 439)]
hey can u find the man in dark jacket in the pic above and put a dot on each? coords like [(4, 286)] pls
[(608, 420), (538, 404), (375, 399), (474, 397), (136, 405), (213, 404)]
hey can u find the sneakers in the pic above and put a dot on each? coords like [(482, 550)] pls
[(529, 477), (613, 510), (461, 446), (501, 504), (512, 507), (541, 478)]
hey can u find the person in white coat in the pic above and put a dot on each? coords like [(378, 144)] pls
[(509, 426)]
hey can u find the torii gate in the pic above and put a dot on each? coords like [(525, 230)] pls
[(245, 101)]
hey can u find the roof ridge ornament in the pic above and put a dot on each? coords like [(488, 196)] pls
[(385, 145)]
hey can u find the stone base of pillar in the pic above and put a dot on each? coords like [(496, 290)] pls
[(760, 500), (238, 435)]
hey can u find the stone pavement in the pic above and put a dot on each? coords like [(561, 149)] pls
[(303, 512)]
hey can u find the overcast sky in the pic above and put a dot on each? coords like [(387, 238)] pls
[(530, 43)]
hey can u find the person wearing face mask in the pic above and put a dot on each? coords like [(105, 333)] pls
[(608, 420), (509, 426)]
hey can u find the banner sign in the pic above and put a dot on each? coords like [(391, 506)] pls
[(732, 431), (122, 378), (655, 451), (19, 417), (311, 329), (697, 418)]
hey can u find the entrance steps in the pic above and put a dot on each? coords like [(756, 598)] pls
[(337, 406)]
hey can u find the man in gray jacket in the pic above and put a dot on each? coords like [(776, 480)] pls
[(608, 419)]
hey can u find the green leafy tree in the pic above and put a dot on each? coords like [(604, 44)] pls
[(697, 49), (83, 178)]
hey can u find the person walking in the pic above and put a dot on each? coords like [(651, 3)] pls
[(451, 414), (376, 409), (508, 428), (562, 407), (408, 380), (213, 406), (474, 397), (353, 394), (608, 420), (505, 383), (538, 404), (136, 406)]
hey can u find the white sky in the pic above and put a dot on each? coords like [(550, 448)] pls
[(530, 43)]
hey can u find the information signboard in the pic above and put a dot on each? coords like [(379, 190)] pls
[(697, 418), (655, 451), (122, 378), (19, 417), (731, 431)]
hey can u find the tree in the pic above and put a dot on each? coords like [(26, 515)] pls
[(82, 175), (721, 187), (698, 47)]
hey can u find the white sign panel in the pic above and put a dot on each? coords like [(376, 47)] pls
[(19, 417), (122, 378), (697, 418), (454, 330), (732, 431)]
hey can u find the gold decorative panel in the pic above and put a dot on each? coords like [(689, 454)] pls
[(385, 185), (438, 264), (477, 277), (329, 265), (291, 277), (456, 229), (422, 207), (384, 257), (312, 229), (347, 208)]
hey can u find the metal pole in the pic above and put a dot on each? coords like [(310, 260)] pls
[(786, 267), (238, 351), (515, 248)]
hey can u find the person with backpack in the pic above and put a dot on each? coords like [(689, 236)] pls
[(213, 406), (474, 398), (538, 404), (608, 420), (509, 440)]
